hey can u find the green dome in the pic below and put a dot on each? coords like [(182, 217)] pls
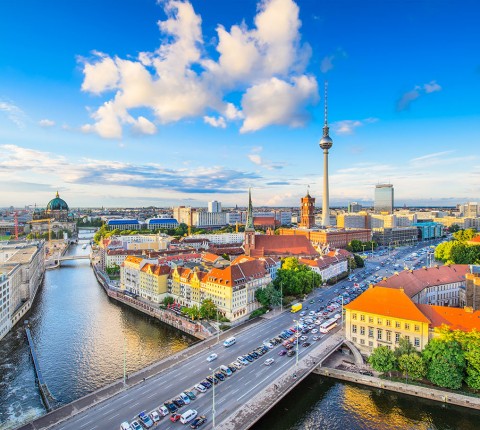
[(57, 204)]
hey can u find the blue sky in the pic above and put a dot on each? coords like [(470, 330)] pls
[(140, 102)]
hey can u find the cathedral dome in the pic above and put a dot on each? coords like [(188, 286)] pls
[(57, 204)]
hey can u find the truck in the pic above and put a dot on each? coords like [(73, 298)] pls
[(296, 307)]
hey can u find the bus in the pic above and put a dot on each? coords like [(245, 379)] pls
[(328, 325)]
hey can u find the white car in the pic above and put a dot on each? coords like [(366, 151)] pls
[(268, 345), (302, 313), (304, 338), (318, 322), (163, 411), (154, 416), (236, 364), (269, 361), (199, 388), (212, 357), (185, 398), (242, 360), (337, 316), (314, 331)]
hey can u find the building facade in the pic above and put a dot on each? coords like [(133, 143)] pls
[(384, 200), (307, 210)]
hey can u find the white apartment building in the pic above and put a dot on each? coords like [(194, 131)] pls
[(5, 321), (236, 217), (214, 206), (220, 239)]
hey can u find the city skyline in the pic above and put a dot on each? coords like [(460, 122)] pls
[(168, 103)]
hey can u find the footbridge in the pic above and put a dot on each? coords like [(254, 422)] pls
[(59, 260)]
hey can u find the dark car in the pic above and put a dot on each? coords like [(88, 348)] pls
[(259, 351), (282, 352), (220, 376), (306, 344), (253, 354), (178, 402), (279, 339), (206, 384), (233, 369), (197, 422), (291, 353), (191, 395), (212, 380), (248, 358), (171, 407), (289, 346), (264, 349)]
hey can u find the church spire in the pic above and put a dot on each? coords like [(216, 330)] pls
[(249, 225)]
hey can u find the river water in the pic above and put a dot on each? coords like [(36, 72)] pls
[(79, 336)]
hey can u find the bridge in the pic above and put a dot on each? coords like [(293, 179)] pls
[(237, 402), (57, 261)]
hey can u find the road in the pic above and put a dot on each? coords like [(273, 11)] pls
[(230, 393)]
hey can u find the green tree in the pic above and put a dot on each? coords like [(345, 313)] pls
[(168, 300), (412, 365), (454, 228), (404, 347), (193, 313), (470, 342), (296, 279), (445, 362), (208, 309), (268, 296), (382, 360), (355, 246), (359, 260)]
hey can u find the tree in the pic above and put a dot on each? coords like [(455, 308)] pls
[(359, 260), (412, 365), (296, 279), (168, 300), (382, 359), (453, 228), (470, 342), (445, 362), (208, 309), (268, 296), (193, 312), (404, 347), (355, 246)]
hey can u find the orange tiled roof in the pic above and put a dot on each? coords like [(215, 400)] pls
[(238, 274), (156, 269), (455, 318), (283, 245), (210, 257), (475, 240), (417, 280), (133, 259), (387, 302)]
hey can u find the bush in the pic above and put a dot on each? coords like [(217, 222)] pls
[(337, 278), (224, 327), (257, 312)]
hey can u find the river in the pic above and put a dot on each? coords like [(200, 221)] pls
[(79, 336)]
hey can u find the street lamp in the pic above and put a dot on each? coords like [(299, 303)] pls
[(218, 329), (213, 398), (296, 345)]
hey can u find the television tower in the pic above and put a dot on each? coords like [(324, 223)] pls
[(325, 143)]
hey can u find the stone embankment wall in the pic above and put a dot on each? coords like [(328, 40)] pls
[(399, 387)]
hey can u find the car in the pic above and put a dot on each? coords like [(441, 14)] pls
[(175, 417), (145, 419), (212, 357), (154, 416), (163, 411), (206, 384), (311, 302), (318, 322), (304, 338), (212, 380), (237, 365), (232, 369), (134, 425), (197, 422), (248, 358), (365, 372), (191, 395), (306, 344), (315, 338), (178, 402), (254, 354), (282, 352), (200, 388), (225, 370), (268, 345), (302, 313), (291, 353), (289, 346), (185, 398), (171, 407), (242, 360), (220, 376), (269, 361), (314, 331)]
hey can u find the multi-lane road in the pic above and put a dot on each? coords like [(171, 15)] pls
[(229, 394)]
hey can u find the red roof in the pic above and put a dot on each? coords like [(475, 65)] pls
[(264, 221), (238, 274), (268, 245), (415, 281), (475, 240), (455, 318), (387, 302)]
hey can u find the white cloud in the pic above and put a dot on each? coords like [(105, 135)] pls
[(215, 122), (143, 126), (46, 123), (278, 102), (179, 80), (407, 98), (348, 126), (257, 159), (14, 113)]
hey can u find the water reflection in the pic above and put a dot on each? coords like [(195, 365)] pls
[(79, 336)]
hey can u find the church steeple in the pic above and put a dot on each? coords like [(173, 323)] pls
[(249, 243), (249, 224)]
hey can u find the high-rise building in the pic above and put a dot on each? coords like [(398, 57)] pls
[(307, 209), (354, 207), (325, 143), (470, 210), (383, 198), (214, 206)]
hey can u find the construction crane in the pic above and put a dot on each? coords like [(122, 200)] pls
[(46, 220)]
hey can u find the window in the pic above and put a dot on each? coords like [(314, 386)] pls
[(370, 320), (417, 327), (354, 339), (379, 333), (407, 326), (354, 328), (389, 336), (362, 341), (370, 343), (362, 331), (354, 316), (397, 324), (397, 337), (370, 331), (408, 338), (362, 317), (417, 342), (388, 322), (379, 321)]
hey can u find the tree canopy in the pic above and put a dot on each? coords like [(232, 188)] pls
[(296, 279), (382, 359)]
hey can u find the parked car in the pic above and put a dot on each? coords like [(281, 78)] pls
[(191, 395), (145, 419), (171, 407), (175, 417), (135, 425), (206, 384), (200, 388), (154, 416), (220, 376), (242, 360), (197, 422), (185, 398), (237, 365), (232, 368), (225, 370), (178, 402), (163, 411), (212, 357)]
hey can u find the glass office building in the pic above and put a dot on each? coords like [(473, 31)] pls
[(383, 198)]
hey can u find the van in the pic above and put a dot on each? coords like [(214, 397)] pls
[(225, 370), (188, 416), (229, 342), (125, 426)]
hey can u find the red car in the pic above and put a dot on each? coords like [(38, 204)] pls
[(174, 418)]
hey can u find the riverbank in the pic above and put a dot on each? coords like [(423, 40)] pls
[(437, 395)]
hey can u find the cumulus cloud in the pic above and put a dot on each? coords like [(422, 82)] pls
[(407, 98), (85, 171), (257, 159), (348, 126), (179, 80), (46, 123), (13, 113)]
